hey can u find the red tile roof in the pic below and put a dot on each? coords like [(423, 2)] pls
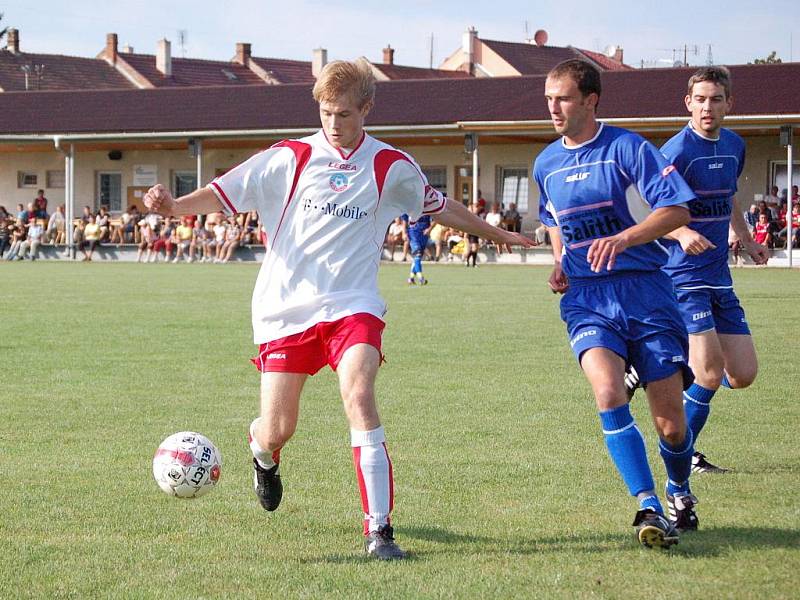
[(604, 62), (191, 71), (286, 71), (626, 94), (60, 73), (530, 59), (403, 72)]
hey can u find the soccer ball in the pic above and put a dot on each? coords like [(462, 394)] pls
[(187, 465)]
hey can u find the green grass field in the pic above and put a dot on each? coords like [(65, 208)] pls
[(503, 485)]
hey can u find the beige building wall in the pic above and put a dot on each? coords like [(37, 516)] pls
[(761, 151)]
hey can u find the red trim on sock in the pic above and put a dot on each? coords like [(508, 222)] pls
[(362, 486)]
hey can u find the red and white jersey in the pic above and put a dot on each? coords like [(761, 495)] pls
[(325, 214)]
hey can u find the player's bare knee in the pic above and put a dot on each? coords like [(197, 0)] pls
[(743, 377), (609, 397)]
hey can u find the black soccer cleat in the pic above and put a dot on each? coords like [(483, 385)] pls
[(269, 488), (631, 381), (380, 544), (701, 465), (653, 530), (681, 511)]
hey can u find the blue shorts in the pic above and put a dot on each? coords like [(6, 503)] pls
[(417, 242), (704, 309), (634, 316)]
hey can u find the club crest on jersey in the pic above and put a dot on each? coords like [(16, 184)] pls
[(339, 182), (667, 170)]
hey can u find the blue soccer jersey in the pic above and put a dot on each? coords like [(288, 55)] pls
[(711, 168), (601, 187)]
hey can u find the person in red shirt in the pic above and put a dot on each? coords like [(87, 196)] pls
[(761, 232)]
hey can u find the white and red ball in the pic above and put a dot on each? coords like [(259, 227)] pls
[(187, 465)]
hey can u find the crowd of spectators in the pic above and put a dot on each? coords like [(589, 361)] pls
[(446, 243), (767, 220), (215, 238)]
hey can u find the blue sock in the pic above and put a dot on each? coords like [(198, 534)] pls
[(417, 266), (678, 462), (697, 404), (651, 502), (626, 446), (725, 381)]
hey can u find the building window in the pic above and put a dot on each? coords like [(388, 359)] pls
[(437, 178), (778, 175), (109, 191), (513, 187), (26, 179), (183, 182), (55, 179)]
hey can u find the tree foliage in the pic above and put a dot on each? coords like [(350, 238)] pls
[(773, 58)]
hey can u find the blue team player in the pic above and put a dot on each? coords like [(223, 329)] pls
[(710, 159), (606, 196), (418, 236)]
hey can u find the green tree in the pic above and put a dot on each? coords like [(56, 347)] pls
[(771, 59)]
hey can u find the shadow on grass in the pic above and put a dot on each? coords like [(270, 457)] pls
[(707, 543), (722, 540)]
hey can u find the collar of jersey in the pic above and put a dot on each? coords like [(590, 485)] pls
[(339, 150), (701, 136), (586, 143)]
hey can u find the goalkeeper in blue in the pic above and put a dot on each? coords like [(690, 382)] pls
[(607, 196), (710, 159)]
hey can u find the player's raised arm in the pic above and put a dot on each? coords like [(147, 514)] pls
[(201, 201), (457, 216), (604, 251)]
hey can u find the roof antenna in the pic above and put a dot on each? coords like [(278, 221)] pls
[(183, 38)]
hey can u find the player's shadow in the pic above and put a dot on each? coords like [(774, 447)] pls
[(718, 541), (706, 542)]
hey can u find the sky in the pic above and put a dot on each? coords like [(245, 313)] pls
[(650, 33)]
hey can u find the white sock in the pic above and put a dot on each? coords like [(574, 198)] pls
[(374, 473)]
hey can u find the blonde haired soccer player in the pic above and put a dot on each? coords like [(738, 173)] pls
[(325, 202)]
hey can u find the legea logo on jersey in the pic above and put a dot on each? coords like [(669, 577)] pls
[(342, 166), (339, 182)]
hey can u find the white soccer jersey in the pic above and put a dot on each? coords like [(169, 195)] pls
[(325, 214)]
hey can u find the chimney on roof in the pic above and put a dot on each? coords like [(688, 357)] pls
[(468, 48), (164, 58), (12, 40), (618, 55), (243, 53), (388, 55), (111, 48), (127, 49), (319, 60)]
